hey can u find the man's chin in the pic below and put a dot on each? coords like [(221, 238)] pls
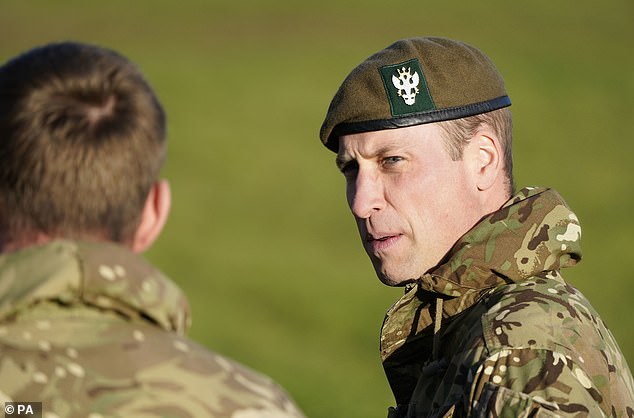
[(390, 274), (392, 280)]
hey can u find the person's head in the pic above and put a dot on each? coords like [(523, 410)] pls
[(82, 141), (423, 137)]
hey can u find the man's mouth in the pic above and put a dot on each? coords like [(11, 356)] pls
[(382, 241)]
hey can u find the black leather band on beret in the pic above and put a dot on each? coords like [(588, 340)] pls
[(347, 128)]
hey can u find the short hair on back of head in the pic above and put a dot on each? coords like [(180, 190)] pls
[(82, 140), (458, 132)]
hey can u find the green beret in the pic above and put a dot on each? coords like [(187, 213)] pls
[(412, 82)]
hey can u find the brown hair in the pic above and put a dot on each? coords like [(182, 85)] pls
[(82, 140), (458, 132)]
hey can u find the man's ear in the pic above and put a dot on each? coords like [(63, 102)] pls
[(154, 215), (488, 160)]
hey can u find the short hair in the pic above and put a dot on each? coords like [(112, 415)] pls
[(82, 140), (458, 132)]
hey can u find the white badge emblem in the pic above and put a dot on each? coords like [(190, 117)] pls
[(407, 84)]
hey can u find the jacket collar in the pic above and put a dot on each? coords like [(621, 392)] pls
[(103, 275), (534, 231)]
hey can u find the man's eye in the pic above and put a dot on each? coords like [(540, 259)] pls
[(391, 160)]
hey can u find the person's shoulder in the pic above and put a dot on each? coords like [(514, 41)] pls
[(539, 312), (204, 383), (546, 313), (543, 335), (88, 362)]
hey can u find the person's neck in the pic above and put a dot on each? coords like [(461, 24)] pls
[(8, 244), (495, 198), (31, 240)]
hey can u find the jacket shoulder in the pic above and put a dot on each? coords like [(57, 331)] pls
[(551, 337), (544, 313), (78, 362)]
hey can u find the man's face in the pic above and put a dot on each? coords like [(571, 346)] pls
[(410, 200)]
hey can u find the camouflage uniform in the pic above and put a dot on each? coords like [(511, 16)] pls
[(495, 331), (91, 330)]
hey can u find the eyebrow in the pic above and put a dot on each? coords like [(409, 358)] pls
[(390, 148)]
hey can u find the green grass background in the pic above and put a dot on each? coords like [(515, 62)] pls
[(260, 237)]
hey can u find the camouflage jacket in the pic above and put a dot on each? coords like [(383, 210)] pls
[(494, 331), (91, 330)]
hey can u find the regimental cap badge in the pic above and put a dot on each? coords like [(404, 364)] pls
[(406, 88), (407, 85)]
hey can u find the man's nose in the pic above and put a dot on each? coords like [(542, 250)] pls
[(366, 194)]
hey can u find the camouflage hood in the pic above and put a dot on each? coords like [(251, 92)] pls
[(533, 232), (106, 276)]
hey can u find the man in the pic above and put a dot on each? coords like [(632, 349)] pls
[(487, 325), (86, 326)]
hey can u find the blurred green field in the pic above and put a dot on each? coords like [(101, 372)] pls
[(260, 237)]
